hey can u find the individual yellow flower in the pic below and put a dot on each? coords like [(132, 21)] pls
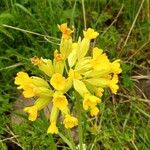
[(100, 61), (52, 128), (70, 121), (84, 44), (39, 104), (58, 62), (60, 101), (44, 65), (90, 101), (58, 81), (32, 86), (25, 82), (113, 84), (66, 32), (94, 111), (115, 66), (53, 119), (22, 79), (99, 92), (58, 56), (66, 40), (32, 112), (90, 34)]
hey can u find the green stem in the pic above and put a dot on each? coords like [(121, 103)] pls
[(80, 130), (71, 139), (68, 140)]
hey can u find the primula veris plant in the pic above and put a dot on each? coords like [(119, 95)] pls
[(72, 69)]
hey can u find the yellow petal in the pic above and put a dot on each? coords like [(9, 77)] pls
[(70, 121), (90, 34), (90, 101), (60, 101), (66, 32), (32, 112), (58, 81), (94, 111), (113, 84), (115, 66), (52, 128)]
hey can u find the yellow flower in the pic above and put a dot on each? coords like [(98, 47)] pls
[(99, 92), (44, 65), (90, 34), (25, 82), (115, 66), (58, 62), (100, 61), (90, 101), (58, 56), (113, 84), (40, 103), (32, 86), (66, 32), (21, 78), (58, 81), (60, 101), (53, 119), (70, 121), (32, 112), (94, 111), (52, 128)]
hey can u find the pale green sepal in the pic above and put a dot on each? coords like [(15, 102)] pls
[(100, 82), (80, 87)]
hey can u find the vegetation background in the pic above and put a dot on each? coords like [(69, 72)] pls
[(27, 28)]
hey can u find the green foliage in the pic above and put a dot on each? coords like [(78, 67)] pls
[(121, 125), (34, 136), (126, 75)]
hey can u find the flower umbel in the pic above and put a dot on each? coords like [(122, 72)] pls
[(73, 72)]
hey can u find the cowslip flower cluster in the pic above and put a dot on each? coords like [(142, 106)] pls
[(72, 68)]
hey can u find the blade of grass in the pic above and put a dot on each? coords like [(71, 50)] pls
[(84, 17), (66, 141), (132, 26)]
